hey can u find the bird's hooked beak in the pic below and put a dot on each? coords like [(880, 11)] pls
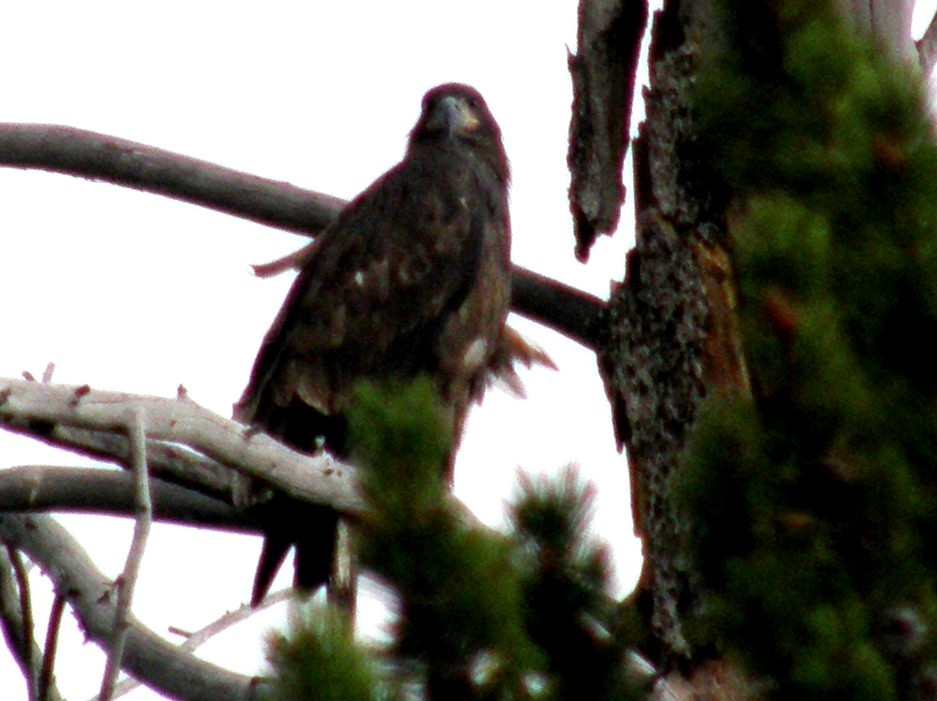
[(453, 116)]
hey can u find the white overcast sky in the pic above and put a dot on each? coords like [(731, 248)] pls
[(134, 292)]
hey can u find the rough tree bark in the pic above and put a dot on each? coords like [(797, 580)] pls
[(672, 332)]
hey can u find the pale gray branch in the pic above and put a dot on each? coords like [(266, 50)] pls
[(319, 479), (888, 22), (148, 657), (127, 582), (171, 462), (16, 618), (21, 644), (194, 640), (92, 490)]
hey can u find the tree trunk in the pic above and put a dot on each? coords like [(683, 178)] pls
[(673, 331)]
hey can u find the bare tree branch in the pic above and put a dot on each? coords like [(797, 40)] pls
[(319, 479), (168, 461), (13, 625), (70, 151), (891, 27), (194, 640), (572, 312), (576, 314), (46, 677), (37, 488), (30, 660), (274, 203), (127, 582), (148, 657)]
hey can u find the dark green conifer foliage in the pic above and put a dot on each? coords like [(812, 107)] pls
[(319, 661), (815, 500), (568, 616), (483, 616), (460, 590)]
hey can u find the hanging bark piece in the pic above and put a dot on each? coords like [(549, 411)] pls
[(603, 73)]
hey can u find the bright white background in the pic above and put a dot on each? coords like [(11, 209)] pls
[(134, 292)]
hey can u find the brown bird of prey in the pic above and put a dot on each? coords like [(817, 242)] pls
[(412, 278)]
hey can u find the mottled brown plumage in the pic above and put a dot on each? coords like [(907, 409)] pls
[(412, 278)]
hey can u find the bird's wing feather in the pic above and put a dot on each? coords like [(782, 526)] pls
[(397, 258)]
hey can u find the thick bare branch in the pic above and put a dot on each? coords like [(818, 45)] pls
[(274, 203), (572, 312), (319, 479), (148, 657), (87, 154), (168, 461), (37, 488), (888, 22), (576, 314)]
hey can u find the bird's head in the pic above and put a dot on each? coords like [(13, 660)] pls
[(457, 113)]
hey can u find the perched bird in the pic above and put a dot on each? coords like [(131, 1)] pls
[(412, 278)]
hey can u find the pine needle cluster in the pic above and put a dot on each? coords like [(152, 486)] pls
[(483, 615)]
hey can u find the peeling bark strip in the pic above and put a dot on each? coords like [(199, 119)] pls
[(603, 73)]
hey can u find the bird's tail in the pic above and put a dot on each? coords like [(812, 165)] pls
[(311, 528)]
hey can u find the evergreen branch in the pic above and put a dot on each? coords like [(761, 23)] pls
[(274, 203), (148, 657)]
